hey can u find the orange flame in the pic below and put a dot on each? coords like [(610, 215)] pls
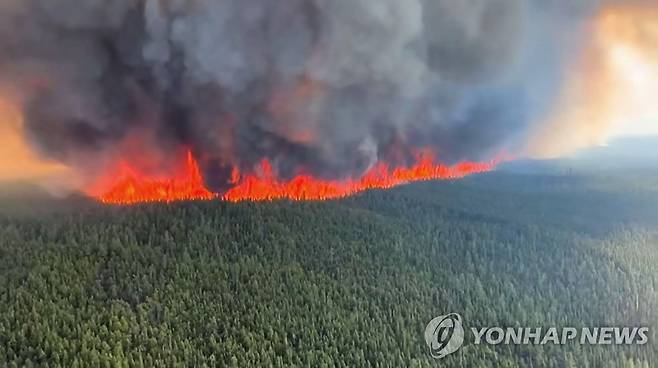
[(132, 187)]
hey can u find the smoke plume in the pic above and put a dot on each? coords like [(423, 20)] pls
[(325, 86), (611, 86)]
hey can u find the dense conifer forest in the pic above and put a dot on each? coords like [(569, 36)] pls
[(346, 283)]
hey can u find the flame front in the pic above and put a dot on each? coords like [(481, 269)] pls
[(132, 187)]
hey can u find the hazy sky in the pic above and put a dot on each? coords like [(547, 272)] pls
[(611, 88), (17, 160), (642, 127), (611, 91)]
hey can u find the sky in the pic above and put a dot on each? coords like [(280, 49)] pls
[(611, 91), (635, 57), (612, 87), (17, 159)]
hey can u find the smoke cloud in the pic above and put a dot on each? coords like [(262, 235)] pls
[(611, 86), (324, 86)]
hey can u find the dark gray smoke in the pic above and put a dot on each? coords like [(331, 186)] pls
[(326, 86)]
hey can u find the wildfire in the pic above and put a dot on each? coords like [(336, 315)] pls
[(133, 187)]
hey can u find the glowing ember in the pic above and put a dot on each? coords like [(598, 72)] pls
[(134, 188)]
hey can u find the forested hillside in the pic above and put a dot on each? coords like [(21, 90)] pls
[(348, 283)]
